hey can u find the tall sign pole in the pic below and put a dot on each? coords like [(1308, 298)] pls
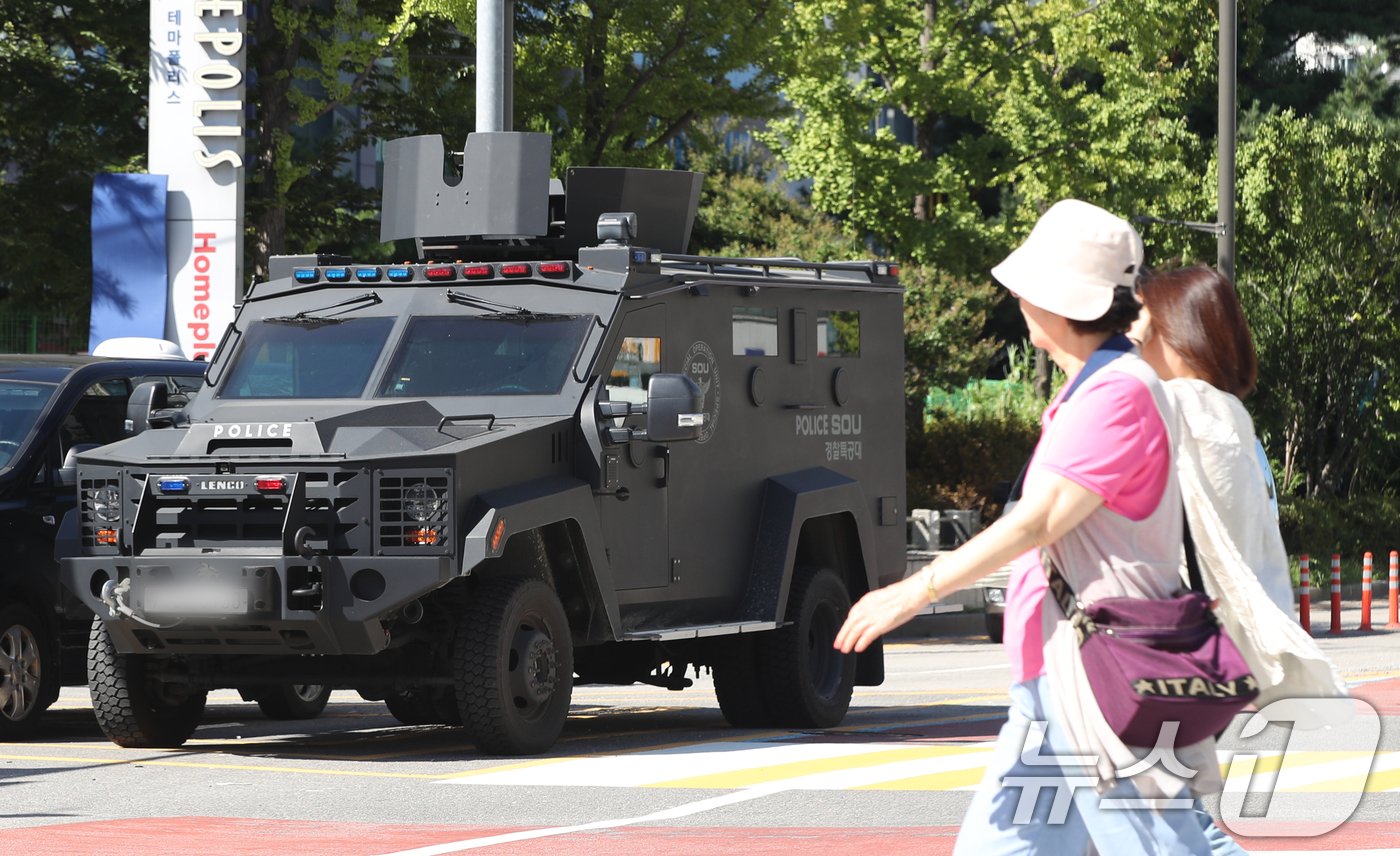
[(1225, 236), (197, 70), (495, 62)]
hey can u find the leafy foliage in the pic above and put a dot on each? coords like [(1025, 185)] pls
[(620, 82), (73, 105), (744, 212), (1012, 105), (945, 320), (1318, 237), (1321, 526)]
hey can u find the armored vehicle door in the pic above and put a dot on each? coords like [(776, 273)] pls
[(635, 517)]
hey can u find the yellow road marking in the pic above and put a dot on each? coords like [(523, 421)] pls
[(931, 782), (776, 772), (144, 762)]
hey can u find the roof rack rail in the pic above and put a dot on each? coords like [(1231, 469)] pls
[(765, 266)]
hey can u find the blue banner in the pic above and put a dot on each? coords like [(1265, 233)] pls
[(129, 279)]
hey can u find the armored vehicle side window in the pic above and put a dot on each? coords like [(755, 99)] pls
[(306, 359), (638, 359), (497, 354), (755, 331), (20, 406), (838, 334)]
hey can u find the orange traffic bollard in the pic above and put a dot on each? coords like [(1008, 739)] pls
[(1394, 623), (1366, 591), (1336, 594), (1304, 598)]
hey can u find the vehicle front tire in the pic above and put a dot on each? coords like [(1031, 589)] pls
[(807, 683), (29, 674), (134, 708), (513, 666), (996, 626), (293, 701)]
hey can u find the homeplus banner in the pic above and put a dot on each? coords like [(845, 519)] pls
[(198, 65)]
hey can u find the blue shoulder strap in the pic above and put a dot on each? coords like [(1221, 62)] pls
[(1113, 348)]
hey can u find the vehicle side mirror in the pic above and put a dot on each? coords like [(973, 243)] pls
[(145, 399), (68, 473), (675, 408)]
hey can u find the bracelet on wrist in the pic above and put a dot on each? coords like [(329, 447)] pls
[(931, 585)]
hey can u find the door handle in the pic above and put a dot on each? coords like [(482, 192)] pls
[(663, 466)]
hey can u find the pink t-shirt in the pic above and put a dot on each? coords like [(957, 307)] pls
[(1111, 440)]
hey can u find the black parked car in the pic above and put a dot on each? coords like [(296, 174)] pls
[(52, 408)]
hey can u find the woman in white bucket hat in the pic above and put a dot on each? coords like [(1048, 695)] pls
[(1100, 496)]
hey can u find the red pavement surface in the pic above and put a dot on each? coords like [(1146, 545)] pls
[(1384, 696), (219, 836)]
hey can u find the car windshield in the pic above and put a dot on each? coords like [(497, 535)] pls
[(278, 358), (20, 406), (495, 354)]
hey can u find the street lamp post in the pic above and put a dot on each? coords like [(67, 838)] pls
[(1225, 217)]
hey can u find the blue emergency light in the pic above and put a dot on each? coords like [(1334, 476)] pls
[(173, 484), (337, 274), (368, 274), (400, 274), (305, 275)]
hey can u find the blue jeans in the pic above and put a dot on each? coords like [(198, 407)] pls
[(1221, 844), (1058, 825)]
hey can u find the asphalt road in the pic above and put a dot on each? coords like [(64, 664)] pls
[(639, 770)]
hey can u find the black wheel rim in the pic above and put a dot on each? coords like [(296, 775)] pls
[(533, 668), (308, 693)]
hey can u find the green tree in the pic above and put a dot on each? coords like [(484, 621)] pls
[(745, 210), (1318, 236), (621, 82), (1012, 105), (72, 104), (320, 74)]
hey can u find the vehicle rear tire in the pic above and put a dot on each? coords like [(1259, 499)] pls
[(807, 683), (738, 687), (29, 674), (293, 701), (135, 709), (424, 706), (513, 666), (996, 626)]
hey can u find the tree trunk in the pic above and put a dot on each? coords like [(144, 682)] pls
[(928, 123), (276, 56), (1042, 373), (595, 106)]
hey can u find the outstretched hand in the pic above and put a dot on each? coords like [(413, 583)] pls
[(881, 611)]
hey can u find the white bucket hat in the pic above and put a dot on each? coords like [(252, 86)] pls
[(1074, 256)]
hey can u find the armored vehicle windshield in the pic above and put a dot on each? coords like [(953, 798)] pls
[(500, 353)]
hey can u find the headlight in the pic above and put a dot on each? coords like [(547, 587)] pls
[(107, 505), (421, 502)]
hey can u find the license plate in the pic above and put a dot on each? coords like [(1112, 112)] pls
[(196, 600)]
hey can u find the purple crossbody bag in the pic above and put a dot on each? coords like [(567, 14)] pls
[(1160, 670)]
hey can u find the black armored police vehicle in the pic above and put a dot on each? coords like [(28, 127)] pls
[(552, 450)]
